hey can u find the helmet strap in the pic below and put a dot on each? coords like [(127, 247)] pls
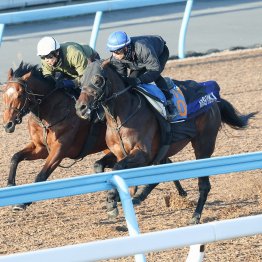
[(128, 52)]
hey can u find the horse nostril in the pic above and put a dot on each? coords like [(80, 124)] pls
[(83, 107), (10, 127)]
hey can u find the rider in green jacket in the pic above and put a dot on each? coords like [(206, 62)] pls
[(66, 61)]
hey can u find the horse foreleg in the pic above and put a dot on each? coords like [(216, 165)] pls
[(53, 160), (111, 203), (51, 163), (142, 193), (108, 161), (136, 158), (145, 190), (30, 152)]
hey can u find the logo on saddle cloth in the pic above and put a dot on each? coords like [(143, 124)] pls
[(190, 100)]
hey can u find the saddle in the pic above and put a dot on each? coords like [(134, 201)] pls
[(190, 98)]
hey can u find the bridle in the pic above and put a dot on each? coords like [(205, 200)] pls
[(100, 97), (31, 100), (100, 92)]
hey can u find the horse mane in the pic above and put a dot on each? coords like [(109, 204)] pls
[(107, 64), (25, 68)]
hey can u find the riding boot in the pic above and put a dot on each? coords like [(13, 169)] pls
[(171, 109), (165, 84)]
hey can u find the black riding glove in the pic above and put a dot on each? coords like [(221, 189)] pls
[(65, 83), (132, 81)]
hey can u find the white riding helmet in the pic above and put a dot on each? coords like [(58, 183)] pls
[(46, 45)]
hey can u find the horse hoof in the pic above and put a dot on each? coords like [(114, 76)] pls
[(195, 219), (136, 201), (112, 214), (98, 168), (18, 208)]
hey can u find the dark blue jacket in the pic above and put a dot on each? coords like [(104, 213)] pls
[(146, 51)]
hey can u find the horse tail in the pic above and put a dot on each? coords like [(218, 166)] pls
[(232, 117)]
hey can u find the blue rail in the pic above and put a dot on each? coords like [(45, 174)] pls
[(132, 177), (122, 179), (89, 8)]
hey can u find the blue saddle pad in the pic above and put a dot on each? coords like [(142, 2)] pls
[(190, 98), (178, 99)]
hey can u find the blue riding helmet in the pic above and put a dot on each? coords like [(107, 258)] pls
[(117, 40)]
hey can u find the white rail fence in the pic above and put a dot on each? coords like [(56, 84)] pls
[(122, 179), (90, 8)]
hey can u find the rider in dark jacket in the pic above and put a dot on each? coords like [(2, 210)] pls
[(144, 56)]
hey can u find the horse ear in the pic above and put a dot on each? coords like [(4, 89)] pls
[(10, 74), (26, 76)]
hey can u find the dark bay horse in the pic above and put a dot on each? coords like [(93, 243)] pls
[(133, 131), (56, 131)]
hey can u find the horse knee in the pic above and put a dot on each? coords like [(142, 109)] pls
[(112, 196), (15, 159), (119, 166)]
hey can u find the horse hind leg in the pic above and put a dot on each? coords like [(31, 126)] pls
[(203, 149), (204, 188)]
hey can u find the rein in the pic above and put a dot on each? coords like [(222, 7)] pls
[(115, 95)]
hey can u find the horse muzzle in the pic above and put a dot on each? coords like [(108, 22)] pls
[(10, 127), (83, 112)]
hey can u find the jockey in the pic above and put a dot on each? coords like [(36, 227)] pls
[(69, 60), (145, 57)]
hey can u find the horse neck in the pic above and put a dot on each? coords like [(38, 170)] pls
[(124, 101), (48, 99), (40, 87)]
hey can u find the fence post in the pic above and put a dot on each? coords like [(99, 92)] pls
[(95, 29), (128, 208), (183, 29), (2, 27)]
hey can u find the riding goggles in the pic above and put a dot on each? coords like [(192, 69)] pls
[(119, 51), (49, 56)]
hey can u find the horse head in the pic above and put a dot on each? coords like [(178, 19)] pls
[(93, 90), (16, 100), (98, 88), (18, 96)]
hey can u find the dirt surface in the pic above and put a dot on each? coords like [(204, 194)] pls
[(81, 219)]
